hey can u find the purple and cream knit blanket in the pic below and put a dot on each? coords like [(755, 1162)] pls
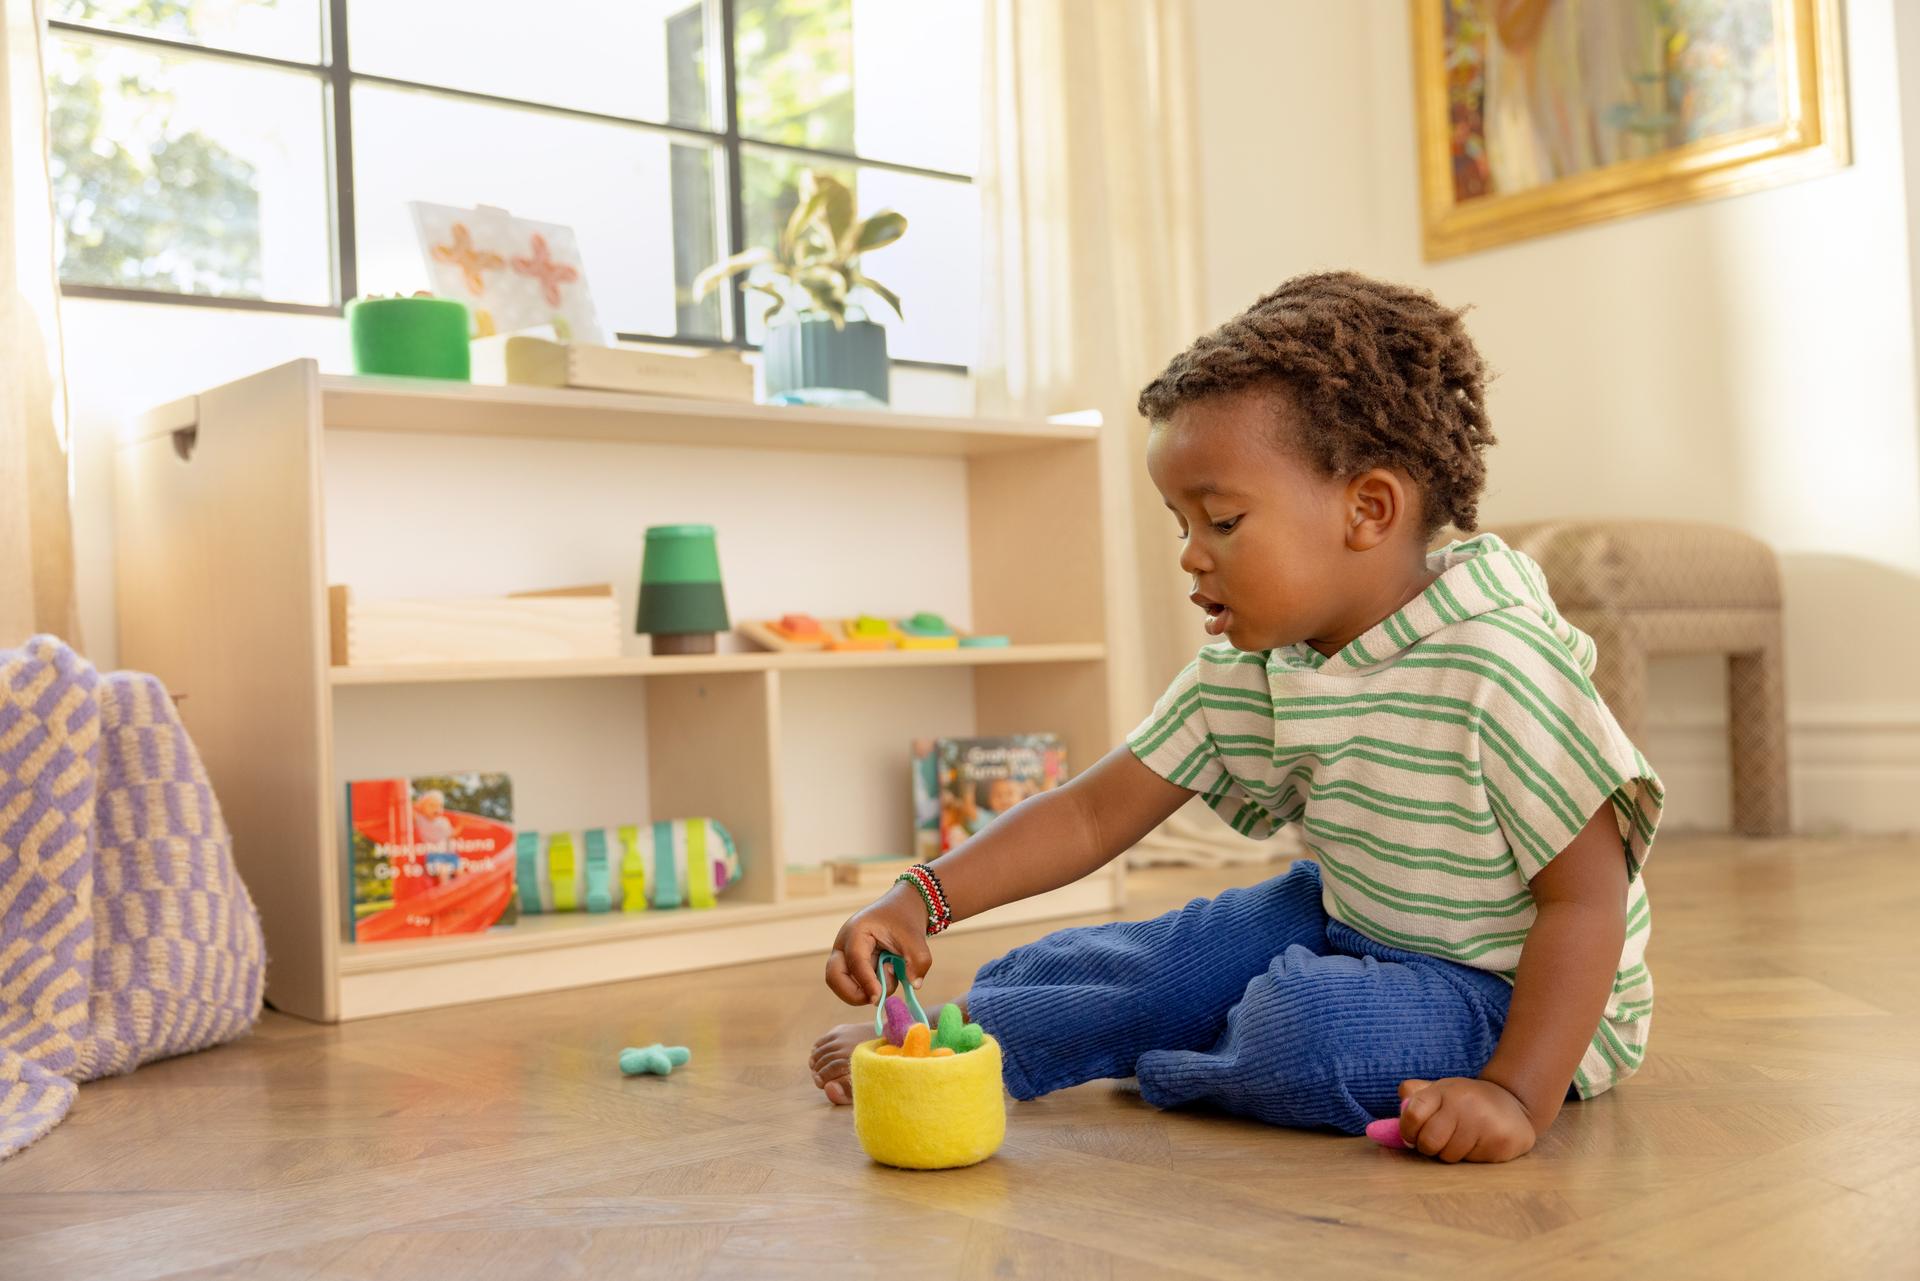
[(125, 933)]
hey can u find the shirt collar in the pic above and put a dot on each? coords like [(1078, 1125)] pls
[(1460, 592)]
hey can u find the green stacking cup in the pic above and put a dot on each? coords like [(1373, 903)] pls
[(415, 337), (682, 605)]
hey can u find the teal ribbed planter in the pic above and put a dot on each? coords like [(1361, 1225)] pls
[(808, 352)]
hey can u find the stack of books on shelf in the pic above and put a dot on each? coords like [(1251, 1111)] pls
[(524, 361)]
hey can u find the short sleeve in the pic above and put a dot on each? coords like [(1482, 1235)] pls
[(1177, 742), (1551, 753)]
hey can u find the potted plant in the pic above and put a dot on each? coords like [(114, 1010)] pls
[(823, 341)]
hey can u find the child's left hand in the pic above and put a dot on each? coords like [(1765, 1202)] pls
[(1464, 1119)]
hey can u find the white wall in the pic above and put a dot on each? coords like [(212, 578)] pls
[(1746, 361)]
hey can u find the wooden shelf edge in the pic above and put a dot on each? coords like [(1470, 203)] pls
[(428, 405), (163, 420), (401, 977), (703, 664), (573, 929)]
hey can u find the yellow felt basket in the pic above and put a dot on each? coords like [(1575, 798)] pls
[(929, 1113)]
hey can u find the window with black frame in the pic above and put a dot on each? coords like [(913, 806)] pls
[(262, 153)]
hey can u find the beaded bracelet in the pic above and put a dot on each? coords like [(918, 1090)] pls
[(932, 893), (939, 896)]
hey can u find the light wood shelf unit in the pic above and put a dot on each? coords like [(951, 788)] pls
[(222, 578)]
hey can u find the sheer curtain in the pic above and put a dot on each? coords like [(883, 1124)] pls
[(1091, 281), (36, 538)]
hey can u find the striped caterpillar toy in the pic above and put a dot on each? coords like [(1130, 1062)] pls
[(631, 868)]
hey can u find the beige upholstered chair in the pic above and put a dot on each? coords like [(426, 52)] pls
[(1643, 588)]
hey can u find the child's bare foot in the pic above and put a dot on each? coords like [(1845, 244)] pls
[(833, 1057)]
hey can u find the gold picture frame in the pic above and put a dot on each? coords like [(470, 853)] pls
[(1808, 138)]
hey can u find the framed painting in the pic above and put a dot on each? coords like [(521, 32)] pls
[(1540, 115)]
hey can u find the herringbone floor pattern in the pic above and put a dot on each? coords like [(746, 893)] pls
[(1775, 1131)]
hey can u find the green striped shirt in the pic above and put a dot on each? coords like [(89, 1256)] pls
[(1436, 764)]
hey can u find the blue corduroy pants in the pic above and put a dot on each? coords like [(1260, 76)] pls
[(1255, 1002)]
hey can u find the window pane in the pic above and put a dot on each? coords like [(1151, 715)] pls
[(895, 80), (277, 28), (188, 174), (645, 205), (641, 58), (934, 268), (794, 63), (916, 82)]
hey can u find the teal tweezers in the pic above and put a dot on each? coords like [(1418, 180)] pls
[(899, 966)]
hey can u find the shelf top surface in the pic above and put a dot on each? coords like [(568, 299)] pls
[(702, 664), (435, 406)]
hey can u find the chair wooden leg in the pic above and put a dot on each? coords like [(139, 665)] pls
[(1757, 739)]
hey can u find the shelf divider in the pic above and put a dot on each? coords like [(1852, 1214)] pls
[(713, 752)]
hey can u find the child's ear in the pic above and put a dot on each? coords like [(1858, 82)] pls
[(1377, 503)]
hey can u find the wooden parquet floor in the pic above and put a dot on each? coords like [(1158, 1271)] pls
[(1775, 1132)]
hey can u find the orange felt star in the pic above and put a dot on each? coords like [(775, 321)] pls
[(473, 263)]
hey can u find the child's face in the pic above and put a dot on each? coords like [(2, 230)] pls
[(1003, 794), (1266, 538)]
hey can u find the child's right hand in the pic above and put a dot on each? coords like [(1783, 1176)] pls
[(896, 922)]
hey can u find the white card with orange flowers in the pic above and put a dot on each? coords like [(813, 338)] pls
[(513, 273)]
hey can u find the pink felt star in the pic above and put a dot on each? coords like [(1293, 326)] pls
[(550, 274)]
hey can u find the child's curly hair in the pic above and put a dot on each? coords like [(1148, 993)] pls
[(1382, 375)]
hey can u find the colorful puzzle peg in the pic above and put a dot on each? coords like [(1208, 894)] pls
[(1386, 1132), (655, 1059), (947, 1026), (955, 1033), (927, 631), (926, 623), (883, 964), (899, 1019), (799, 627)]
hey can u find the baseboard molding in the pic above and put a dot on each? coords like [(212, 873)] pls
[(1852, 770)]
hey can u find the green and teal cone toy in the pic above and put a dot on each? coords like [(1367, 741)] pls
[(682, 605)]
